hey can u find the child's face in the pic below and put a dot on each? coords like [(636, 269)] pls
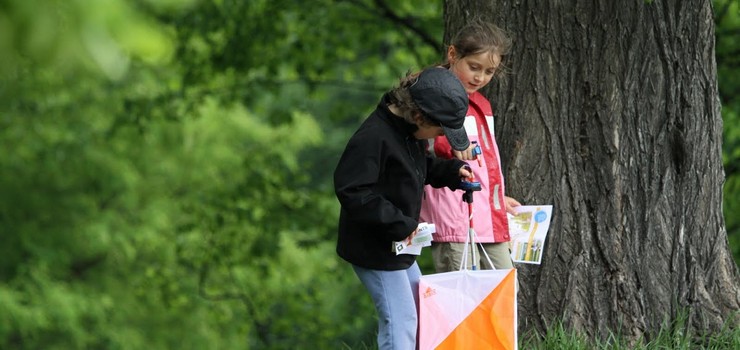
[(475, 71), (427, 130)]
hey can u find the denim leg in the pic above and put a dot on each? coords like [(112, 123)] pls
[(395, 294)]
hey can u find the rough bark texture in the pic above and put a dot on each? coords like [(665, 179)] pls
[(611, 113)]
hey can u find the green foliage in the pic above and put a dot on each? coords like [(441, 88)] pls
[(727, 20), (166, 169), (120, 232), (103, 36), (731, 157)]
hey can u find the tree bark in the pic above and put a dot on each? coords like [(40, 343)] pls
[(611, 113)]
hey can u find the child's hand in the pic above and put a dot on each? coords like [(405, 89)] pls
[(465, 172), (411, 236), (510, 204), (466, 154)]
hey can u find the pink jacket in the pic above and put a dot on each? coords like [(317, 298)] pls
[(446, 209)]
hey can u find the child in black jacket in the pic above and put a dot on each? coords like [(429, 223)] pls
[(379, 182)]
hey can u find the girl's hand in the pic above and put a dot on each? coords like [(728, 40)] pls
[(510, 204), (466, 154)]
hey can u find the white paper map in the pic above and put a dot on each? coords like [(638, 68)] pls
[(423, 238), (528, 230)]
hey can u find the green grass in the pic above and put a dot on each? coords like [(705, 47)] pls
[(673, 336)]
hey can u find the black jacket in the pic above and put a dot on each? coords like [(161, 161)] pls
[(379, 182)]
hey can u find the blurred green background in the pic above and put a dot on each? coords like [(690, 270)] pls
[(166, 166)]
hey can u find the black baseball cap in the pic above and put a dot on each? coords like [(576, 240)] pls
[(442, 97)]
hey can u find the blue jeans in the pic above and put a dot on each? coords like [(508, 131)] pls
[(396, 298)]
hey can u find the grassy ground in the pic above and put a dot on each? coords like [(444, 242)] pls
[(670, 337), (673, 336)]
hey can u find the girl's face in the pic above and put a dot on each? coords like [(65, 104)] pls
[(474, 71)]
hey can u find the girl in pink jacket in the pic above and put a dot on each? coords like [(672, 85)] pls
[(475, 57)]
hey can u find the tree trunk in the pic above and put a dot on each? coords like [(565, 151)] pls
[(611, 113)]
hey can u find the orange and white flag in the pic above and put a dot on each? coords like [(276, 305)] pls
[(468, 310)]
